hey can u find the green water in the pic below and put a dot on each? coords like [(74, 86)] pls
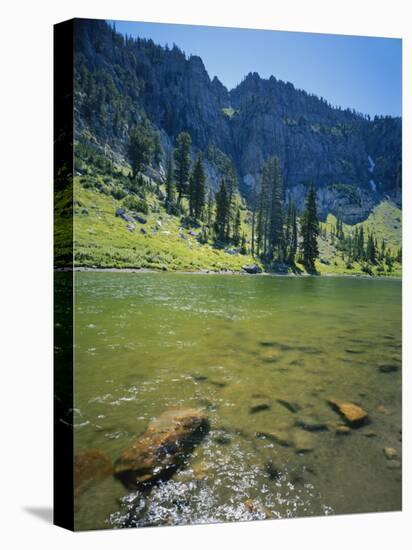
[(145, 343)]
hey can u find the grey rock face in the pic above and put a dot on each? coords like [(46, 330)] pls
[(353, 161)]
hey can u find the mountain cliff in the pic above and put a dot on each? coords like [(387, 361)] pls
[(353, 161)]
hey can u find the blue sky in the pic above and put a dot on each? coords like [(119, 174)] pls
[(351, 71)]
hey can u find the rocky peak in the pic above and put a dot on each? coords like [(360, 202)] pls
[(315, 142)]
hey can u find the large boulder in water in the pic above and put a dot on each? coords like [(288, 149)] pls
[(162, 449), (90, 466)]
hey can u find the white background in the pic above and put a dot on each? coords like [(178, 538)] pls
[(26, 274)]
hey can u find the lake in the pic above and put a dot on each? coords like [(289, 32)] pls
[(261, 355)]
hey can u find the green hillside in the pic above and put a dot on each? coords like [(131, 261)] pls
[(104, 240)]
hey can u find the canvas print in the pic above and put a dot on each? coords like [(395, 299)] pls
[(228, 267)]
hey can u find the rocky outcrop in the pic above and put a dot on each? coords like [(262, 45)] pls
[(162, 449), (121, 213), (353, 161)]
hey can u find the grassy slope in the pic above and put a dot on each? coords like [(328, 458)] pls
[(385, 221), (103, 240)]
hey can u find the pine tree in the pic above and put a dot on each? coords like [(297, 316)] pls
[(140, 147), (222, 210), (310, 230), (197, 189), (209, 211), (243, 249), (382, 253), (253, 204), (361, 244), (260, 226), (236, 228), (276, 212), (293, 245), (157, 149), (170, 186), (288, 230), (182, 163), (270, 211), (371, 249)]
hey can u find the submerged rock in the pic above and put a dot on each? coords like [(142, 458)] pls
[(341, 429), (90, 466), (199, 377), (257, 509), (390, 453), (393, 464), (162, 449), (222, 437), (303, 441), (259, 406), (388, 367), (269, 358), (273, 471), (354, 415), (289, 405), (218, 383), (281, 437), (311, 424), (200, 471), (384, 410)]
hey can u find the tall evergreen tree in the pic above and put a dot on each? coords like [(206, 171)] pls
[(236, 228), (382, 253), (253, 206), (182, 163), (371, 249), (170, 186), (291, 234), (270, 211), (243, 248), (157, 149), (288, 230), (310, 230), (209, 211), (361, 244), (294, 243), (141, 145), (197, 189), (222, 211), (276, 211), (260, 223)]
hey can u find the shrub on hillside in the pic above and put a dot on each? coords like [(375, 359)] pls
[(118, 192), (134, 203)]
